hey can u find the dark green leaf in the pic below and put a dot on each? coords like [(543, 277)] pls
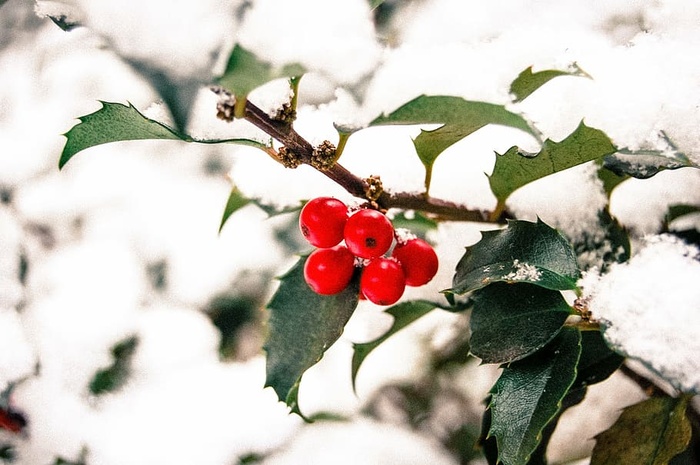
[(572, 398), (597, 360), (116, 375), (603, 246), (528, 395), (516, 168), (528, 82), (404, 314), (679, 210), (643, 164), (651, 432), (458, 119), (523, 252), (302, 326), (244, 72), (63, 22), (610, 180), (118, 122), (235, 202), (512, 321)]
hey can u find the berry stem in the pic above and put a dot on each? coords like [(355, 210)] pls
[(440, 209)]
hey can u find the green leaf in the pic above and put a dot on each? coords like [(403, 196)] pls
[(528, 395), (302, 326), (610, 180), (511, 321), (528, 82), (458, 119), (375, 3), (115, 376), (116, 122), (516, 168), (651, 432), (416, 222), (523, 252), (244, 72), (404, 314), (235, 202), (679, 210), (597, 361)]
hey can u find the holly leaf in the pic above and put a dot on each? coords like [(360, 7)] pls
[(516, 168), (523, 252), (116, 375), (245, 71), (511, 321), (597, 361), (528, 82), (645, 164), (529, 394), (651, 432), (116, 122), (404, 314), (302, 326), (236, 201), (458, 119)]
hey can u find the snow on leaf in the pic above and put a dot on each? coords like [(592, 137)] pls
[(458, 119), (643, 165), (528, 82), (511, 321), (302, 326), (528, 395), (116, 122), (523, 252), (651, 432), (648, 309), (516, 168)]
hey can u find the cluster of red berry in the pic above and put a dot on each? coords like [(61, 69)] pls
[(368, 235)]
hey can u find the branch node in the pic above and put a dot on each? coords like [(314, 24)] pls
[(286, 114), (373, 188), (323, 156), (289, 158)]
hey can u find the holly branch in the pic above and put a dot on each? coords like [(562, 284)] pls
[(303, 152)]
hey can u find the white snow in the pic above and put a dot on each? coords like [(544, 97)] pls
[(649, 309)]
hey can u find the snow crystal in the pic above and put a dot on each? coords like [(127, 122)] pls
[(522, 272), (649, 308)]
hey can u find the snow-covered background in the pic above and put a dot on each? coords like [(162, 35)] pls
[(123, 241)]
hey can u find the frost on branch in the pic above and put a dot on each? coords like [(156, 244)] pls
[(649, 308)]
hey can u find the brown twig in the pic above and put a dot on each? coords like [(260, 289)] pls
[(287, 136)]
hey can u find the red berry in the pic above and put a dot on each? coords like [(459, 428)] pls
[(382, 281), (329, 271), (322, 221), (368, 233), (418, 260)]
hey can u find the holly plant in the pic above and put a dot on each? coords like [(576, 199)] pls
[(513, 283)]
